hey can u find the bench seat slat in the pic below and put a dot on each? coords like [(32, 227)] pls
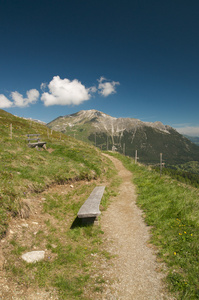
[(90, 208), (39, 144), (36, 139)]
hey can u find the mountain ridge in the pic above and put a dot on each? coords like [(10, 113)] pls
[(127, 135), (105, 118)]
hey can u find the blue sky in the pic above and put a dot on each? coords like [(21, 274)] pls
[(137, 59)]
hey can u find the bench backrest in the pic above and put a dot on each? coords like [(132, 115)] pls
[(33, 137)]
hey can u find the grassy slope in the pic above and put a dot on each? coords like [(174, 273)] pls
[(192, 166), (24, 170), (76, 252), (172, 209), (80, 131), (148, 142)]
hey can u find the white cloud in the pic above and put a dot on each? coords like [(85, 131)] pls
[(92, 89), (18, 100), (107, 88), (66, 92), (60, 92), (189, 130), (102, 78), (43, 86), (4, 102)]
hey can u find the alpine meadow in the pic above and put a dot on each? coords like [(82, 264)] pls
[(42, 190)]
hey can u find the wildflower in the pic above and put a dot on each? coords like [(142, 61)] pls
[(180, 233), (185, 232), (174, 253)]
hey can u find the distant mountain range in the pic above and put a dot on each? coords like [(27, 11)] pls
[(193, 139), (35, 120), (127, 135)]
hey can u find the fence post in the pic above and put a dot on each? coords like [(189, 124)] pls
[(11, 130), (160, 164)]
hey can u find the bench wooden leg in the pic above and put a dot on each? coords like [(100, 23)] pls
[(89, 221), (96, 221)]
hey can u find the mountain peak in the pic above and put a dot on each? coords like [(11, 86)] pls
[(128, 134), (102, 122), (91, 113)]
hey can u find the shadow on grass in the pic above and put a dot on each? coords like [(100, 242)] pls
[(82, 222)]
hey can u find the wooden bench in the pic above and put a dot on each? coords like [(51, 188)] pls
[(38, 143), (89, 211)]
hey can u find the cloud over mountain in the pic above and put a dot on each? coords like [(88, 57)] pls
[(65, 92), (189, 130), (107, 88)]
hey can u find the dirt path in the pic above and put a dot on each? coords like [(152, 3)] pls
[(135, 265)]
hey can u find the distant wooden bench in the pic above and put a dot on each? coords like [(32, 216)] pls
[(89, 211), (38, 143)]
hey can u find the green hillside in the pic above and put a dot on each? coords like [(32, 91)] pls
[(29, 175), (73, 268), (149, 143), (128, 135), (25, 170)]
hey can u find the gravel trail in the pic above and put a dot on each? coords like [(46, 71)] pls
[(138, 274)]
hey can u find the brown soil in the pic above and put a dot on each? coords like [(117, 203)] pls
[(133, 273)]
